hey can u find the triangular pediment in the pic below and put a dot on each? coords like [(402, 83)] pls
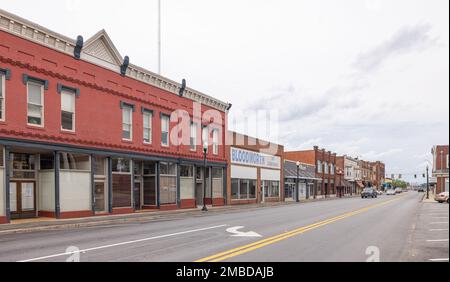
[(101, 47)]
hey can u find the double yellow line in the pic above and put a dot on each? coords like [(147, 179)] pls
[(269, 241)]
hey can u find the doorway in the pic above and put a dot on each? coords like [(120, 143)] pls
[(22, 199)]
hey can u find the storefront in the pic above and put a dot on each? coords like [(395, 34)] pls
[(254, 177), (304, 174)]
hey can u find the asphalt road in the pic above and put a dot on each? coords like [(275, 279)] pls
[(339, 230)]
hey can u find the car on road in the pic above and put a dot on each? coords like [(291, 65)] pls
[(398, 190), (421, 190), (391, 192), (380, 193), (369, 193), (442, 197)]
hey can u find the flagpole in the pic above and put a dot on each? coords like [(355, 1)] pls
[(159, 37)]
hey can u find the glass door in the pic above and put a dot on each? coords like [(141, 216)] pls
[(100, 187), (22, 199)]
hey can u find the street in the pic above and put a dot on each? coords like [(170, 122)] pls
[(353, 229)]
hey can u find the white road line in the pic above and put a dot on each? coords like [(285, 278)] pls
[(441, 259), (437, 230), (439, 222), (123, 243), (440, 217), (440, 240)]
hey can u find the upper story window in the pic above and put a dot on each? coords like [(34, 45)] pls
[(205, 135), (319, 166), (215, 141), (68, 110), (165, 126), (35, 100), (332, 169), (2, 97), (127, 122), (327, 168), (147, 125), (193, 138)]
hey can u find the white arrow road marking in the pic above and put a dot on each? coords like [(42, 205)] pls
[(234, 230)]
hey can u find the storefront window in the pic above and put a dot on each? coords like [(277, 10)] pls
[(69, 161), (217, 183), (243, 189), (22, 166), (47, 161), (121, 165), (272, 189), (100, 166), (187, 182), (235, 189), (121, 183), (149, 184), (168, 183)]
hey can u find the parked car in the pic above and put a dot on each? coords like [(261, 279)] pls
[(380, 193), (398, 190), (442, 198), (369, 193), (391, 192)]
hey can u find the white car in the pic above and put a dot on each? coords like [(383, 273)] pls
[(391, 192)]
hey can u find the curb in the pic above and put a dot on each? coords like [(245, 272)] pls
[(143, 218)]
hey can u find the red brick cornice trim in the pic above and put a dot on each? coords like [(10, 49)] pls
[(75, 141)]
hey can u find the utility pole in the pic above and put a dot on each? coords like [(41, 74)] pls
[(428, 184)]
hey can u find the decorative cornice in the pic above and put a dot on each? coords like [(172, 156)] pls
[(33, 32), (101, 145)]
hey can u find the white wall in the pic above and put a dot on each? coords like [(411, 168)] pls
[(271, 175), (242, 172), (46, 191), (187, 188), (75, 191), (2, 192)]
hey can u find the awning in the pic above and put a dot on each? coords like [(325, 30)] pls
[(360, 184)]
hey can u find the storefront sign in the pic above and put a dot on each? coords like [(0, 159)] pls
[(244, 157)]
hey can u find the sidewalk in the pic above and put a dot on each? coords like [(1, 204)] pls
[(430, 200), (49, 224)]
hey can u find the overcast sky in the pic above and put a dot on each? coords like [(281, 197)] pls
[(367, 78)]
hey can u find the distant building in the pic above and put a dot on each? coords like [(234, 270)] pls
[(440, 167), (325, 162)]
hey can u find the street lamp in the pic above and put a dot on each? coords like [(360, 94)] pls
[(297, 196), (205, 151), (428, 183)]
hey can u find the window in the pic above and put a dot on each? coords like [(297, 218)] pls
[(121, 183), (2, 97), (35, 104), (168, 183), (68, 110), (205, 135), (243, 189), (165, 125), (331, 168), (70, 161), (193, 139), (215, 141), (121, 165), (327, 167), (187, 171), (272, 189), (319, 166), (46, 161), (147, 124), (127, 122)]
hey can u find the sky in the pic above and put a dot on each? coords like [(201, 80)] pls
[(366, 78)]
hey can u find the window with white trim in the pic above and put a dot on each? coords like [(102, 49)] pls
[(193, 138), (127, 123), (327, 167), (2, 97), (205, 135), (35, 101), (165, 126), (215, 141), (68, 110), (319, 166), (147, 125)]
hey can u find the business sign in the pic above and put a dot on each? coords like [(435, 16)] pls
[(250, 158)]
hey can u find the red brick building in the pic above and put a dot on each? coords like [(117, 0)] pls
[(378, 174), (440, 167), (256, 170), (325, 162), (84, 132)]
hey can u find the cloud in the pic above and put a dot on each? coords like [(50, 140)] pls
[(406, 40)]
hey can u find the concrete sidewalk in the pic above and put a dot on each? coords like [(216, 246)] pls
[(49, 224)]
